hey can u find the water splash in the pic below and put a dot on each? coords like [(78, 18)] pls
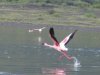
[(76, 62)]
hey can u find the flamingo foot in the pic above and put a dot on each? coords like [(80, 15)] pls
[(69, 58)]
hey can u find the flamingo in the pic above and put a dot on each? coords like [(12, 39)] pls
[(40, 29), (60, 46)]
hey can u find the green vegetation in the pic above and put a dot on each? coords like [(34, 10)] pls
[(80, 3), (55, 16), (90, 15), (51, 12)]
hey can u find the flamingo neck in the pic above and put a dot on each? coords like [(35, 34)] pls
[(51, 46)]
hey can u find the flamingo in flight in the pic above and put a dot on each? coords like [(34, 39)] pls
[(60, 46), (40, 29)]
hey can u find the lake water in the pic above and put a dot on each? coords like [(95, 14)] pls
[(21, 52)]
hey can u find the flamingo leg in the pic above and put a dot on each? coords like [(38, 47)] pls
[(66, 55)]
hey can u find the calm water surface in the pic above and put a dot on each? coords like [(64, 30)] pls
[(21, 52)]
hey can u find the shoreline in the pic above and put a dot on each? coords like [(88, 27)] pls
[(30, 25)]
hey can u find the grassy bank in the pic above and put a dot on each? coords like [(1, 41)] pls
[(59, 15)]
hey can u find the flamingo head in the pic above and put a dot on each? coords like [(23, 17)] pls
[(45, 44)]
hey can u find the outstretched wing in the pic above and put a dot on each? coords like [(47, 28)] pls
[(68, 38), (36, 29), (43, 27), (52, 35)]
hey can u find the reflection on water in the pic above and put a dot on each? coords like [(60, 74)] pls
[(66, 70), (53, 71), (39, 39)]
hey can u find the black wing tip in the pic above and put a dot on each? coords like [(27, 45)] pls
[(51, 28), (73, 33), (42, 43)]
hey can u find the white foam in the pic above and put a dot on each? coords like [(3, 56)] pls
[(76, 62)]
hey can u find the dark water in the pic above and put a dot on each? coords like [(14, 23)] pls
[(21, 52)]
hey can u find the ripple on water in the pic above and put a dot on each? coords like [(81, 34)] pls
[(7, 73)]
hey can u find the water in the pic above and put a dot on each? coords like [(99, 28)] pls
[(21, 53), (30, 60)]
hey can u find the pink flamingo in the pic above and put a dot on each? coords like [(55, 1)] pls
[(60, 46)]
